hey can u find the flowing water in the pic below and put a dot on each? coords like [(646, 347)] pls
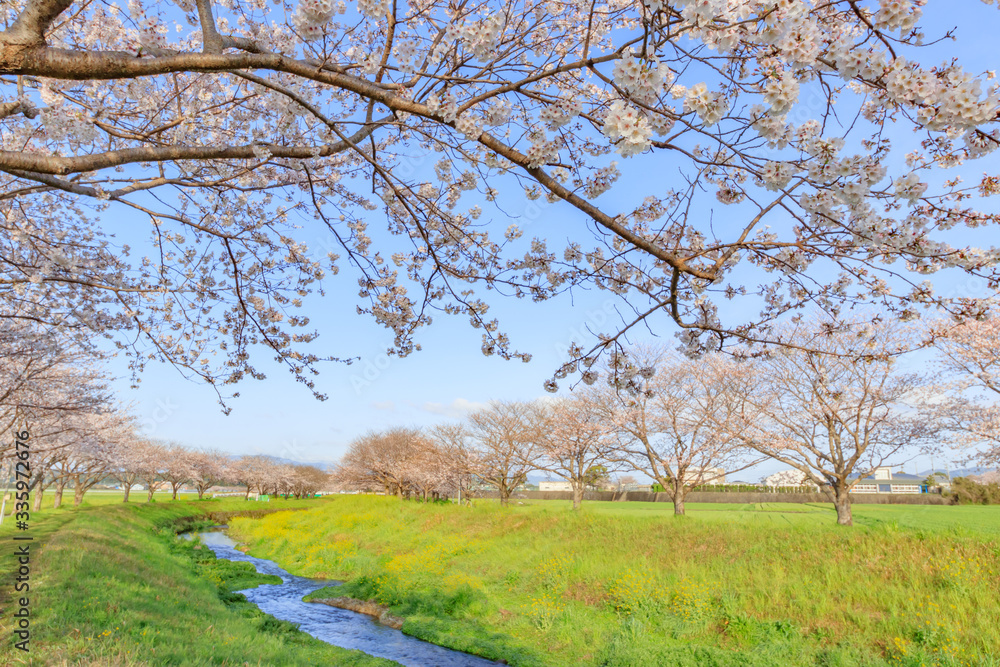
[(339, 627)]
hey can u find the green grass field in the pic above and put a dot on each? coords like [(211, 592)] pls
[(620, 584), (959, 520), (112, 585), (627, 584)]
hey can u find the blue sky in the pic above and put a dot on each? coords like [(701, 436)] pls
[(450, 376)]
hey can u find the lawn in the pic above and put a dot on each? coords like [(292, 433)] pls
[(971, 519), (627, 584), (112, 585)]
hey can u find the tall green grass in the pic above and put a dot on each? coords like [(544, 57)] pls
[(539, 585), (112, 585)]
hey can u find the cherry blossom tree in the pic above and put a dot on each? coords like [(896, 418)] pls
[(382, 460), (506, 441), (130, 460), (837, 413), (82, 468), (454, 461), (576, 440), (153, 460), (970, 353), (177, 467), (676, 418), (229, 127), (46, 381), (208, 468), (308, 480), (258, 473)]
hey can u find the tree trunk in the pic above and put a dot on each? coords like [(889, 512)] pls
[(128, 489), (504, 495), (577, 495), (201, 492), (149, 495), (78, 492), (58, 496), (842, 501), (678, 506), (38, 498), (247, 496), (175, 491)]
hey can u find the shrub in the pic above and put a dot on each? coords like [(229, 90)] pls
[(965, 491)]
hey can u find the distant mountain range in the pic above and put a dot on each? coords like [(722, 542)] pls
[(960, 472), (322, 465)]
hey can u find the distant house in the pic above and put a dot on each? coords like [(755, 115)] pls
[(706, 475), (554, 485), (884, 480), (639, 488)]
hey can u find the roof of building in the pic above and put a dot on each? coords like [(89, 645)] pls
[(897, 477)]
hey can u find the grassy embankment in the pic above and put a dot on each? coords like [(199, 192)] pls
[(624, 584), (112, 585)]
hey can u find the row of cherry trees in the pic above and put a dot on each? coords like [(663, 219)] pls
[(160, 466), (81, 437), (834, 408)]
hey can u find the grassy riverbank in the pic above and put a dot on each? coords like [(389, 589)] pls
[(111, 585), (627, 585)]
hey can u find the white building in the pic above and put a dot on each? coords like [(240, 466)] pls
[(555, 485), (704, 475), (884, 480)]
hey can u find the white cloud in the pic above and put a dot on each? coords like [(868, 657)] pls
[(457, 408), (384, 405)]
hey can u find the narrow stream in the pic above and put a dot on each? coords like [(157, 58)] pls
[(339, 627)]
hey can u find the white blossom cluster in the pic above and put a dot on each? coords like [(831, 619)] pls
[(69, 126), (979, 143), (910, 188), (479, 37), (794, 32), (628, 128), (469, 126), (601, 180), (643, 80), (559, 114), (152, 32), (781, 93), (948, 97), (407, 54), (776, 175), (710, 106), (375, 9), (700, 12), (542, 150), (899, 15), (445, 108), (311, 16), (498, 113)]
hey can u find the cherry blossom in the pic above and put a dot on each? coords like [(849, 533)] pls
[(229, 137)]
